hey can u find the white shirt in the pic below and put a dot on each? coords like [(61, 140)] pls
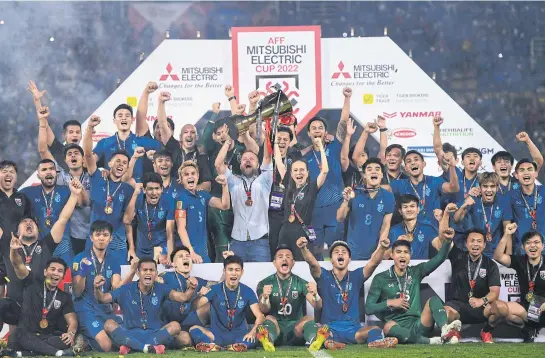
[(251, 220)]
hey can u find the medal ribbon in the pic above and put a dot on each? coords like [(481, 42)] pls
[(316, 157), (246, 189), (423, 198), (466, 194), (344, 294), (533, 213), (148, 221), (110, 198), (142, 311), (46, 308), (230, 311), (283, 300), (193, 159), (487, 218), (388, 177), (532, 280), (473, 277), (48, 206), (119, 142), (28, 257), (402, 289)]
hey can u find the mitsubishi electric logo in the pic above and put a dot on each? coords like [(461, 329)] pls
[(169, 74), (341, 72)]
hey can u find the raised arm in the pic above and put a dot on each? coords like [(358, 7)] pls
[(344, 209), (383, 144), (345, 150), (446, 235), (320, 180), (220, 159), (280, 166), (16, 261), (142, 111), (499, 253), (537, 157), (345, 114), (57, 231), (376, 258), (315, 269), (43, 149), (230, 94), (437, 143), (128, 216), (312, 296), (460, 214), (162, 122), (89, 156), (187, 295), (359, 148), (225, 202), (264, 292), (253, 98), (249, 142), (452, 186), (208, 133), (102, 297)]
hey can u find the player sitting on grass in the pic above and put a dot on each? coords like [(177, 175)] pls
[(283, 296), (230, 301), (340, 291), (394, 297)]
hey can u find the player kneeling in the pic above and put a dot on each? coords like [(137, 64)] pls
[(394, 297), (475, 286), (283, 296), (229, 304)]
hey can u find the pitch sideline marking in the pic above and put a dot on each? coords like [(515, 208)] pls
[(320, 354)]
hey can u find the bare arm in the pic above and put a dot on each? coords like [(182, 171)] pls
[(16, 261), (43, 149), (250, 143), (452, 186), (142, 111), (72, 323), (225, 202), (320, 180), (57, 231), (130, 240), (162, 122), (537, 157), (385, 227), (344, 208), (280, 166), (128, 216), (230, 94), (259, 316), (350, 130), (181, 224), (89, 156), (315, 269), (437, 143), (500, 254), (220, 159), (170, 227), (376, 258), (102, 297), (462, 211), (345, 114), (383, 141)]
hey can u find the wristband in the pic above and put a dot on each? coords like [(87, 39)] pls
[(84, 269), (230, 98), (316, 298), (383, 129), (485, 300)]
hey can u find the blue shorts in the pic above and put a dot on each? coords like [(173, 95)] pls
[(149, 251), (325, 225), (170, 311), (144, 335), (225, 338), (91, 324), (344, 331)]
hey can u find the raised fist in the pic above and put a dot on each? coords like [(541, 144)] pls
[(510, 229), (302, 242), (164, 97), (229, 91), (347, 92), (151, 87), (448, 233), (94, 121), (267, 291), (522, 137), (437, 121)]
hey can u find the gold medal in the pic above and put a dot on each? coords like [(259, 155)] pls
[(43, 323), (48, 222), (249, 202), (352, 194), (530, 297), (108, 210), (291, 218), (470, 294)]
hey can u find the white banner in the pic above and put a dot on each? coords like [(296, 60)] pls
[(286, 56), (384, 80)]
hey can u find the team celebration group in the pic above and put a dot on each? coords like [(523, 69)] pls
[(174, 197)]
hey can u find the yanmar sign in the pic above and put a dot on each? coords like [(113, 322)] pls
[(412, 114)]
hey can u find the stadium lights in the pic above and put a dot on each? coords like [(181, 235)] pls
[(167, 34), (118, 82), (198, 34), (352, 31), (142, 56), (344, 34), (51, 39), (229, 33), (385, 31), (433, 76), (1, 22), (500, 55), (410, 53)]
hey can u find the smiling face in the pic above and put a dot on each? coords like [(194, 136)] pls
[(394, 159), (47, 173), (472, 162), (188, 137), (8, 178), (488, 192), (222, 134), (162, 165), (147, 273), (118, 165), (74, 159), (475, 243), (28, 230), (283, 261), (503, 167), (401, 256), (157, 132), (54, 274), (526, 174), (190, 178), (123, 120), (233, 272), (153, 192), (409, 211), (182, 262), (101, 239), (533, 247), (414, 165), (283, 140), (249, 164), (317, 130), (299, 172), (373, 175), (72, 134), (340, 257)]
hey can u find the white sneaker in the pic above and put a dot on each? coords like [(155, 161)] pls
[(448, 332), (436, 340)]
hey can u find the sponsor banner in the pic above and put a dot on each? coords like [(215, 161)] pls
[(286, 56)]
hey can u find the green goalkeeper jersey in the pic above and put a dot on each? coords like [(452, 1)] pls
[(294, 296), (387, 285)]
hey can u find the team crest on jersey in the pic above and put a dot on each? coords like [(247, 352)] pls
[(497, 213), (121, 197), (482, 273), (154, 301), (515, 186), (134, 145), (108, 273), (300, 196), (427, 190), (409, 280), (421, 236), (542, 275), (18, 201), (203, 202), (294, 294), (57, 304), (240, 303), (39, 249), (380, 207), (57, 197), (539, 199), (95, 324), (161, 214), (290, 161)]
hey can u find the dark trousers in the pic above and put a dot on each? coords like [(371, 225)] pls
[(46, 344), (9, 311), (78, 246), (275, 223)]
